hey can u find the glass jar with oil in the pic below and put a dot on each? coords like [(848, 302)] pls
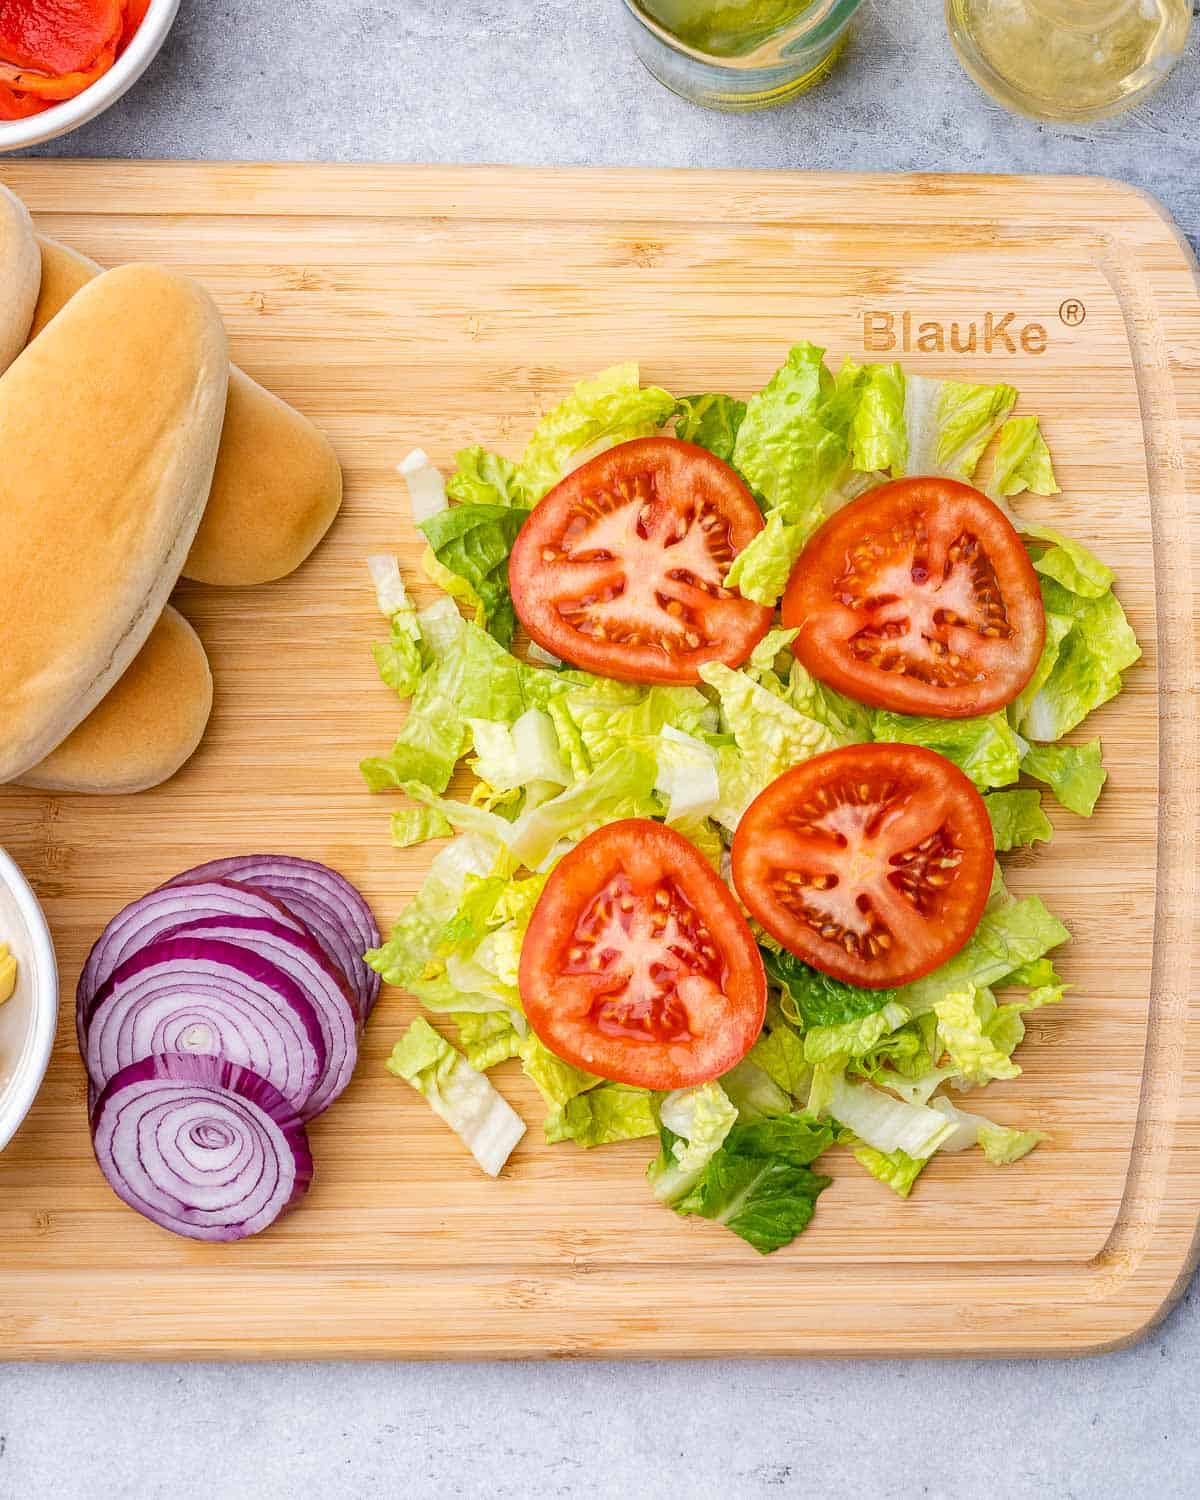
[(739, 54), (1069, 60)]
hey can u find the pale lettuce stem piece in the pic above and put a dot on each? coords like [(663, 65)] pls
[(464, 1098), (426, 488)]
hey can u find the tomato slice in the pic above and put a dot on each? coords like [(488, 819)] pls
[(638, 964), (621, 568), (872, 863), (918, 597)]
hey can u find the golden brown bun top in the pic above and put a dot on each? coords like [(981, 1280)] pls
[(109, 425), (146, 727), (276, 490)]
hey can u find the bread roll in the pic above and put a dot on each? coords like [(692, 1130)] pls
[(276, 491), (64, 271), (20, 276), (109, 426), (147, 726), (278, 484)]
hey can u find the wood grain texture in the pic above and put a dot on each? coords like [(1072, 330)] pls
[(439, 307)]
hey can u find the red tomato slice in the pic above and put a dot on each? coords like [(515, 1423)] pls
[(918, 597), (638, 964), (621, 568), (872, 863)]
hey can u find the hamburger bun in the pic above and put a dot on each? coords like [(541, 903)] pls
[(64, 272), (277, 485), (277, 488), (109, 425), (20, 276), (146, 728)]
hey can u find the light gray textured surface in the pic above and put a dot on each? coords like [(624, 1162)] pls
[(552, 81)]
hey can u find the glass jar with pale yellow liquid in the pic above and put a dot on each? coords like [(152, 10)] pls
[(1069, 60), (739, 54)]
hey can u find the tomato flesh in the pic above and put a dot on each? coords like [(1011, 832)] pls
[(872, 863), (918, 597), (621, 568), (638, 964)]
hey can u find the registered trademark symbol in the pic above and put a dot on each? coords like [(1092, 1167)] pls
[(1072, 312)]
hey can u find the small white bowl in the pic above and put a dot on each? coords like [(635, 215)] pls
[(29, 1019), (124, 73)]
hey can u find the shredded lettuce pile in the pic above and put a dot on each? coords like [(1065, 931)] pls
[(557, 753)]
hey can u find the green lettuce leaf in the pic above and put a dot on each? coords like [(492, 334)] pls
[(470, 676), (878, 434), (949, 424), (712, 422), (483, 478), (811, 998), (610, 1112), (771, 734), (473, 543), (1070, 563), (824, 1045), (895, 1168), (398, 658), (779, 1052), (849, 722), (413, 825), (1086, 672), (461, 1096), (622, 787), (693, 1123), (1074, 773), (985, 748), (1002, 1144), (760, 1183), (612, 407), (1023, 460), (1017, 818), (557, 1081), (977, 1056), (762, 568), (1009, 935), (754, 1093), (487, 1037)]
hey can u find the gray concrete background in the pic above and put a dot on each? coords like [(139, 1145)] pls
[(552, 81)]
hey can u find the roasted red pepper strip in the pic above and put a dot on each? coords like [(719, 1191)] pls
[(52, 50), (58, 37)]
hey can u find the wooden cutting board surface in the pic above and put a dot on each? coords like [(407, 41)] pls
[(439, 307)]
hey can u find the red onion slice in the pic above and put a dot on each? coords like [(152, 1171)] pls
[(305, 961), (195, 995), (329, 906), (142, 921), (200, 1147)]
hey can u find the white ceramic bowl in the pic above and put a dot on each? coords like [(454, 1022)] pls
[(124, 73), (28, 1021)]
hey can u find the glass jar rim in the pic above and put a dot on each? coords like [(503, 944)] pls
[(822, 21)]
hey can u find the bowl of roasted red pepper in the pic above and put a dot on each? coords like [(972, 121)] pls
[(62, 62)]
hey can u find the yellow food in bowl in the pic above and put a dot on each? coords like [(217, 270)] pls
[(8, 973)]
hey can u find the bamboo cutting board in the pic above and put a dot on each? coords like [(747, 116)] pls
[(441, 307)]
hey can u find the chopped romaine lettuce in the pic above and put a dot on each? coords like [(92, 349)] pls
[(1017, 818), (753, 1092), (949, 425), (811, 998), (693, 1123), (760, 1183), (472, 542), (426, 490), (1023, 460), (1074, 773), (610, 408), (487, 1037), (895, 1168), (985, 748), (712, 422), (1070, 563), (886, 1123), (460, 1095), (610, 1112), (483, 478), (413, 825)]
